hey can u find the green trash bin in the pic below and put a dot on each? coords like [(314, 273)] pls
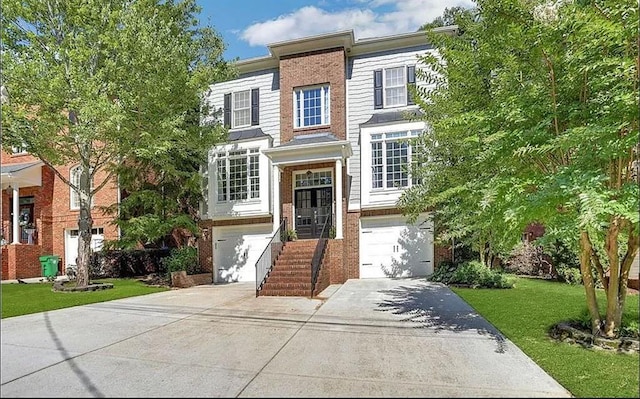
[(44, 264), (51, 267)]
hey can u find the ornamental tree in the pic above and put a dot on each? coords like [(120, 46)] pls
[(105, 84), (533, 115)]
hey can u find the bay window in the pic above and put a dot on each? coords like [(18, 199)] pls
[(391, 160), (237, 174)]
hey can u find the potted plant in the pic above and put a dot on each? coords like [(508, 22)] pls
[(292, 235), (30, 229)]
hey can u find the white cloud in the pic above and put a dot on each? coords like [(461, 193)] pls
[(404, 16)]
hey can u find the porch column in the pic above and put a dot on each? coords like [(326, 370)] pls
[(16, 208), (339, 199), (276, 197)]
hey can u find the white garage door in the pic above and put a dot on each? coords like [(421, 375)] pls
[(237, 249), (71, 243), (389, 247)]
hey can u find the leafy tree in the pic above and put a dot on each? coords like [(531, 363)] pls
[(451, 16), (105, 85), (534, 118)]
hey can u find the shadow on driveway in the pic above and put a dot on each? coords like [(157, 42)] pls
[(435, 306)]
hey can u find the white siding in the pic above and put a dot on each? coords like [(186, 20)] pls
[(269, 84), (360, 100)]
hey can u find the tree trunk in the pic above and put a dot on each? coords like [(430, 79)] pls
[(589, 284), (613, 290), (85, 224)]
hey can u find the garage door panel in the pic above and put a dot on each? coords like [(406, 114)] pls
[(237, 251), (391, 248)]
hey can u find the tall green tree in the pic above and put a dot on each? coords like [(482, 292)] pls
[(536, 105), (103, 84)]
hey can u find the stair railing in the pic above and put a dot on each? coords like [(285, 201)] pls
[(265, 263), (318, 254)]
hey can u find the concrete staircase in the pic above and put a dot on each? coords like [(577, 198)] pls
[(291, 274)]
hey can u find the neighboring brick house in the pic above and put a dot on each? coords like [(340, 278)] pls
[(33, 195), (319, 119)]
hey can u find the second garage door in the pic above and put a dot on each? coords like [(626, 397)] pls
[(389, 247), (236, 250)]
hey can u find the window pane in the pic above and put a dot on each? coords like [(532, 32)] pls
[(242, 108), (395, 91), (312, 107), (397, 157), (254, 176), (221, 167), (376, 165), (237, 179)]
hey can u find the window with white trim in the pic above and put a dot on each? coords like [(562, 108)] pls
[(391, 86), (395, 89), (19, 150), (74, 199), (311, 106), (241, 108), (237, 175), (391, 160)]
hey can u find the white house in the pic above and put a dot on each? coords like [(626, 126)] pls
[(319, 131)]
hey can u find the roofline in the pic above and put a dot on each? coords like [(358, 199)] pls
[(345, 39)]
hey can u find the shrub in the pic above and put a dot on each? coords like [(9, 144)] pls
[(126, 263), (530, 260), (443, 272), (475, 273), (569, 275), (471, 273), (185, 258)]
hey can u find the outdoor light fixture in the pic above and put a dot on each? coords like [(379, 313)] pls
[(9, 190)]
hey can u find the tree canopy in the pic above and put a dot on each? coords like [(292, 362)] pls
[(106, 85), (533, 117)]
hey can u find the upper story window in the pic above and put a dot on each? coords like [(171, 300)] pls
[(237, 174), (242, 108), (19, 150), (311, 106), (391, 86), (75, 174), (391, 159)]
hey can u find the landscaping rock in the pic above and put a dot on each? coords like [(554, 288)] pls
[(565, 332), (59, 286)]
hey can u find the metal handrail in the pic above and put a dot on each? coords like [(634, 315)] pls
[(318, 254), (265, 263)]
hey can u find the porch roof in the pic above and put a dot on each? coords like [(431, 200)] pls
[(21, 174), (308, 148)]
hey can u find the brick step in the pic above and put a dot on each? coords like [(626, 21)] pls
[(272, 292), (289, 279), (288, 264), (297, 255), (290, 273), (288, 286), (287, 275)]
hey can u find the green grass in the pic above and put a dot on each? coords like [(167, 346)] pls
[(21, 299), (525, 313)]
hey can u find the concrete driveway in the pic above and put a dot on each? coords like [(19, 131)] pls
[(376, 338)]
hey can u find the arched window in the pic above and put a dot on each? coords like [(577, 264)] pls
[(75, 174)]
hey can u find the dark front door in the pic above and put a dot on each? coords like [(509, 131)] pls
[(313, 208)]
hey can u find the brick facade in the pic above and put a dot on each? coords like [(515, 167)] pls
[(308, 69), (52, 215)]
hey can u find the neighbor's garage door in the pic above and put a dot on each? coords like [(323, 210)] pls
[(389, 247), (71, 243), (237, 249)]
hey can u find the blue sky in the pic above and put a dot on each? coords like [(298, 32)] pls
[(247, 26)]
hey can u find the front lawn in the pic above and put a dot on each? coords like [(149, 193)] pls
[(21, 299), (525, 313)]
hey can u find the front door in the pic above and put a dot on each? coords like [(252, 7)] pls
[(26, 220), (313, 208)]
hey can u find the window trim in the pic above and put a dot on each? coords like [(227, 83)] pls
[(224, 155), (385, 87), (325, 106), (233, 109), (400, 136)]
